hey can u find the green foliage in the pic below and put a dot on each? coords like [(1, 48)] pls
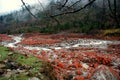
[(25, 29), (48, 29)]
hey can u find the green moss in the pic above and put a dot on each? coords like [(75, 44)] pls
[(21, 76), (33, 67), (31, 62), (111, 32), (23, 60), (3, 78), (3, 53)]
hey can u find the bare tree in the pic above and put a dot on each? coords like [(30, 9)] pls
[(28, 9), (113, 11), (63, 7), (67, 8)]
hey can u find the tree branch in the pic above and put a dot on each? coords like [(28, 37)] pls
[(110, 8), (69, 12), (74, 3), (64, 4), (28, 10)]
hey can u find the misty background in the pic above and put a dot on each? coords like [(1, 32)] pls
[(15, 18)]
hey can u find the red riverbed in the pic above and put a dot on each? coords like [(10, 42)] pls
[(75, 63)]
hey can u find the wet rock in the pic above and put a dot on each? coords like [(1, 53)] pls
[(79, 78), (10, 53), (34, 78), (8, 74), (8, 70), (11, 65), (105, 73), (85, 66), (20, 71), (85, 74), (2, 65), (69, 77), (1, 71)]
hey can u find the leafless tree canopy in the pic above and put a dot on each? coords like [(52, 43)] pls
[(68, 6), (62, 7)]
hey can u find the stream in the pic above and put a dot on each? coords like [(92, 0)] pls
[(87, 43), (68, 59)]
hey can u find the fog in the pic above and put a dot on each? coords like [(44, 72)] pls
[(7, 6)]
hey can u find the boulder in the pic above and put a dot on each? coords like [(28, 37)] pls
[(105, 73)]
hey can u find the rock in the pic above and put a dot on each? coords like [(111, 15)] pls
[(8, 70), (20, 71), (105, 73), (79, 78), (8, 74), (34, 78), (1, 71), (85, 66), (2, 65), (10, 53)]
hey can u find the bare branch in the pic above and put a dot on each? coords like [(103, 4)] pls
[(41, 5), (28, 10), (74, 11), (75, 3), (47, 14), (110, 8), (64, 3), (113, 11)]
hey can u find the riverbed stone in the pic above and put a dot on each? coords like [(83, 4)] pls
[(105, 73)]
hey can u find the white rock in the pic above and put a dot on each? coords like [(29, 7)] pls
[(34, 78), (85, 65)]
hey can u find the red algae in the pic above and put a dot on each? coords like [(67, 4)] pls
[(76, 63), (67, 62), (4, 37)]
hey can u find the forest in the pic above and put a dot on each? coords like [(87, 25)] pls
[(80, 16)]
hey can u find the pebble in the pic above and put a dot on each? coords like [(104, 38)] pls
[(85, 65), (8, 70), (34, 78)]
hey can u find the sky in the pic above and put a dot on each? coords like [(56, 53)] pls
[(7, 6)]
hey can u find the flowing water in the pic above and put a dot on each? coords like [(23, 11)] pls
[(90, 43)]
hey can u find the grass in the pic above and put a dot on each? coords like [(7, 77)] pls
[(3, 53), (16, 77), (23, 60), (33, 66), (30, 61), (111, 32)]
